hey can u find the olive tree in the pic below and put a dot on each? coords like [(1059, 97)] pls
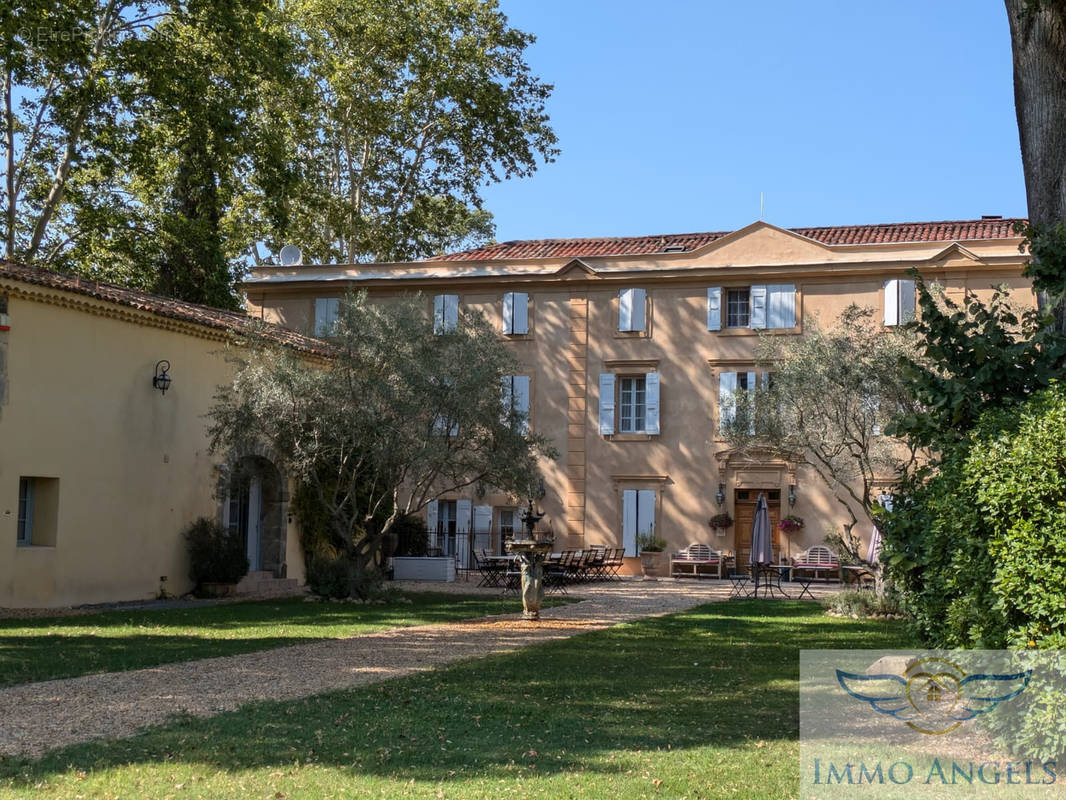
[(395, 416), (829, 400)]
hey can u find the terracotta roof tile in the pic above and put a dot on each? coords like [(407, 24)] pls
[(947, 231), (215, 318)]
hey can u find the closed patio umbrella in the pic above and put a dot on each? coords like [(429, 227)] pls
[(762, 544)]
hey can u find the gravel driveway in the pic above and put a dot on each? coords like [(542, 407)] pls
[(40, 716)]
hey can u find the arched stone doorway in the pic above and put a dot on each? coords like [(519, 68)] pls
[(254, 496)]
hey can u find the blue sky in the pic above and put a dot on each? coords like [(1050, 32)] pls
[(674, 116)]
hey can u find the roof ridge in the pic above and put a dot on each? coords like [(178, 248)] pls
[(159, 305), (860, 233)]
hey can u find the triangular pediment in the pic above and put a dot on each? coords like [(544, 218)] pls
[(761, 243), (955, 254), (576, 269)]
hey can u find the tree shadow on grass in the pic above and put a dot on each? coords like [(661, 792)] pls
[(123, 640), (721, 675)]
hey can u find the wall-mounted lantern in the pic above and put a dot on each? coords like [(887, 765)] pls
[(720, 496), (161, 380), (792, 495)]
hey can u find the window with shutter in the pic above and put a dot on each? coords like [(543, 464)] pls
[(632, 404), (714, 308), (758, 307), (445, 313), (326, 311), (651, 404), (727, 391), (516, 313), (638, 518), (781, 306), (606, 404), (899, 301), (738, 308), (632, 307)]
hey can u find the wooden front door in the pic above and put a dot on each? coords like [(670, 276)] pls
[(744, 517)]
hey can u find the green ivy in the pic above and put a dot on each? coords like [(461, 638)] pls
[(1047, 246)]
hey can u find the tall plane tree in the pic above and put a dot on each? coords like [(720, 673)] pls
[(1038, 41)]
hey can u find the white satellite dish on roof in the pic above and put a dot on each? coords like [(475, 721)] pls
[(291, 256)]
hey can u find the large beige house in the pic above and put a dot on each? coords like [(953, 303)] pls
[(632, 350)]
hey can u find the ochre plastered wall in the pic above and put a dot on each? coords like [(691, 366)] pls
[(132, 465), (575, 338)]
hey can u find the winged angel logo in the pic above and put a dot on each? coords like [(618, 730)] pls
[(934, 695)]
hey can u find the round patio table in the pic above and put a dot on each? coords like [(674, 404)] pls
[(768, 576)]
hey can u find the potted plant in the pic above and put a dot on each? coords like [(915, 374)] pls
[(790, 524), (719, 522), (651, 549)]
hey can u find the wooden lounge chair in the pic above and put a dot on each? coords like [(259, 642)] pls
[(693, 559), (818, 561)]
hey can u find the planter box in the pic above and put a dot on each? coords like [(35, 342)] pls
[(424, 568)]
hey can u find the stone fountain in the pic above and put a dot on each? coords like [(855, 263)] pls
[(531, 552)]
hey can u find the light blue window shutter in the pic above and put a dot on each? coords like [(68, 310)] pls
[(606, 404), (463, 512), (646, 512), (451, 312), (520, 320), (438, 314), (640, 306), (892, 302), (521, 399), (508, 312), (431, 522), (629, 521), (758, 307), (750, 400), (714, 308), (727, 399), (482, 527), (651, 400), (782, 306), (871, 406), (463, 524), (906, 301), (625, 310)]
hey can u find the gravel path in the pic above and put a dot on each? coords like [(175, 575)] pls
[(40, 716)]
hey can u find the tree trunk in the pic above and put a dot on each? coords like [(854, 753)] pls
[(1038, 42)]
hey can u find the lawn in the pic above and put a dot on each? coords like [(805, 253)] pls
[(702, 704), (110, 641)]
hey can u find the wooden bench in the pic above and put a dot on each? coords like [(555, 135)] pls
[(819, 561), (696, 556)]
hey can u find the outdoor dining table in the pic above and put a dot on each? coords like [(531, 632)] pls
[(768, 576), (494, 570)]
